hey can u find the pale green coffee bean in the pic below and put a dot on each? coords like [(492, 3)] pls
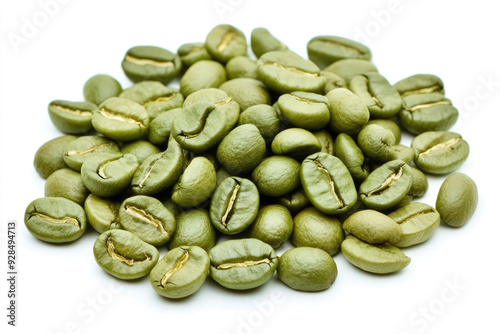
[(297, 143), (241, 150), (264, 117), (124, 255), (202, 74), (326, 141), (101, 87), (325, 50), (305, 110), (419, 84), (50, 156), (295, 201), (285, 72), (273, 225), (377, 143), (457, 199), (102, 213), (263, 41), (246, 92), (109, 174), (159, 171), (312, 228), (348, 113), (199, 127), (242, 264), (196, 184), (225, 41), (307, 269), (55, 219), (327, 183), (386, 186), (439, 152), (405, 153), (85, 147), (373, 227), (419, 183), (380, 97), (332, 81), (277, 175), (418, 223), (190, 53), (377, 259), (427, 112), (193, 228), (241, 67), (141, 149), (161, 127), (234, 205), (72, 117), (349, 68), (66, 183), (353, 158), (181, 272), (143, 63), (148, 218), (121, 119), (389, 125)]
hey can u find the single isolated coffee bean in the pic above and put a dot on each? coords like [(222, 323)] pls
[(457, 199)]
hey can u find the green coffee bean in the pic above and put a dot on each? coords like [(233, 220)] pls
[(101, 87), (55, 219), (419, 84), (196, 184), (124, 255), (121, 119), (102, 213), (352, 157), (160, 128), (241, 67), (326, 141), (277, 175), (427, 112), (377, 143), (386, 186), (190, 53), (295, 142), (181, 272), (264, 117), (312, 228), (85, 147), (263, 41), (273, 225), (148, 218), (348, 113), (378, 259), (325, 50), (439, 152), (351, 67), (159, 171), (50, 156), (225, 42), (388, 125), (307, 269), (327, 183), (108, 174), (332, 81), (295, 201), (305, 110), (234, 205), (193, 228), (418, 223), (419, 183), (285, 72), (72, 117), (242, 264), (373, 227), (142, 149), (151, 63), (457, 199), (202, 74), (381, 98), (246, 92), (66, 183)]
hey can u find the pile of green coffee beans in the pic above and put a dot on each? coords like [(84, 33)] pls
[(247, 153)]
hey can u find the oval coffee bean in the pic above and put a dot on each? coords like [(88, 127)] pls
[(147, 218), (101, 87), (419, 84), (386, 186), (193, 228), (348, 113), (72, 117), (196, 184), (325, 50), (202, 75), (263, 41), (224, 42), (418, 223), (353, 158), (305, 110), (377, 259), (242, 264), (102, 213), (295, 142), (373, 227), (277, 175), (124, 255), (307, 269), (190, 53), (66, 183), (327, 183), (50, 156), (85, 147), (273, 225), (121, 119), (457, 199), (439, 152), (377, 143), (181, 272), (55, 219), (234, 205)]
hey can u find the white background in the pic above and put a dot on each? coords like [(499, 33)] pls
[(451, 285)]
